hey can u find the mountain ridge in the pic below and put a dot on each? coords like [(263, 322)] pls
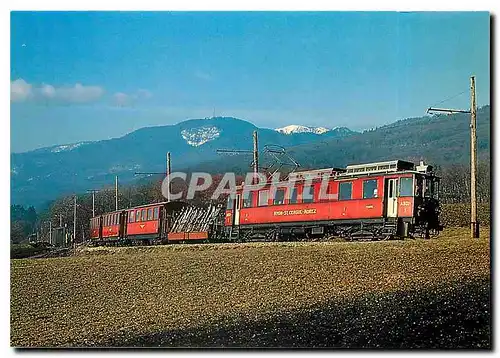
[(46, 173), (42, 175)]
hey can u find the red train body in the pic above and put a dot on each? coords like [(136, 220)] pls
[(377, 200), (144, 224), (393, 199)]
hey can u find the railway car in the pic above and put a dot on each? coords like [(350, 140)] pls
[(95, 228), (112, 225), (139, 225), (383, 200)]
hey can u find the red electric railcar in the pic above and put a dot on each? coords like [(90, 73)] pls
[(376, 200)]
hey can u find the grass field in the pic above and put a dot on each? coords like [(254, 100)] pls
[(400, 294)]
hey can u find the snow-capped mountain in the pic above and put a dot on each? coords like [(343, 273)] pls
[(296, 128), (49, 172)]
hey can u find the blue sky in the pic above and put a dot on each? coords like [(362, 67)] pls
[(96, 75)]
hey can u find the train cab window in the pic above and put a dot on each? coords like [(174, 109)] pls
[(292, 196), (369, 189), (279, 197), (345, 190), (263, 197), (406, 187), (429, 188), (150, 214), (156, 213), (131, 216), (308, 194), (247, 199), (144, 213)]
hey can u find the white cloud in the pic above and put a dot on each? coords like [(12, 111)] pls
[(48, 91), (122, 99), (20, 90), (78, 93)]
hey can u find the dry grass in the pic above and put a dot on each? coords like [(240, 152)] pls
[(459, 214), (109, 296)]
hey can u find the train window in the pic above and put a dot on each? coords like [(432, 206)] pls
[(369, 189), (330, 192), (230, 202), (279, 197), (292, 196), (247, 199), (156, 212), (406, 187), (308, 194), (144, 213), (263, 197), (150, 214), (345, 191), (131, 216)]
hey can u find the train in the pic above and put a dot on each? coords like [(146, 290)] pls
[(375, 201)]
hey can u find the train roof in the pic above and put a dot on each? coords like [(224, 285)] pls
[(356, 170), (167, 203)]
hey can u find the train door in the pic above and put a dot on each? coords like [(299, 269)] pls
[(122, 221), (237, 210), (391, 197)]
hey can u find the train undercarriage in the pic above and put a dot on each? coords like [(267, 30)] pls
[(369, 230)]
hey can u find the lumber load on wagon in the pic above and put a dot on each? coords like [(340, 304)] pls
[(194, 223)]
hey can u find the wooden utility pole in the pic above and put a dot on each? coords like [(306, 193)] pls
[(74, 222), (255, 155), (254, 152), (169, 171), (474, 224), (473, 161), (116, 192), (93, 191)]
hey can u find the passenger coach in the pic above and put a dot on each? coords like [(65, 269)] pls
[(375, 201)]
